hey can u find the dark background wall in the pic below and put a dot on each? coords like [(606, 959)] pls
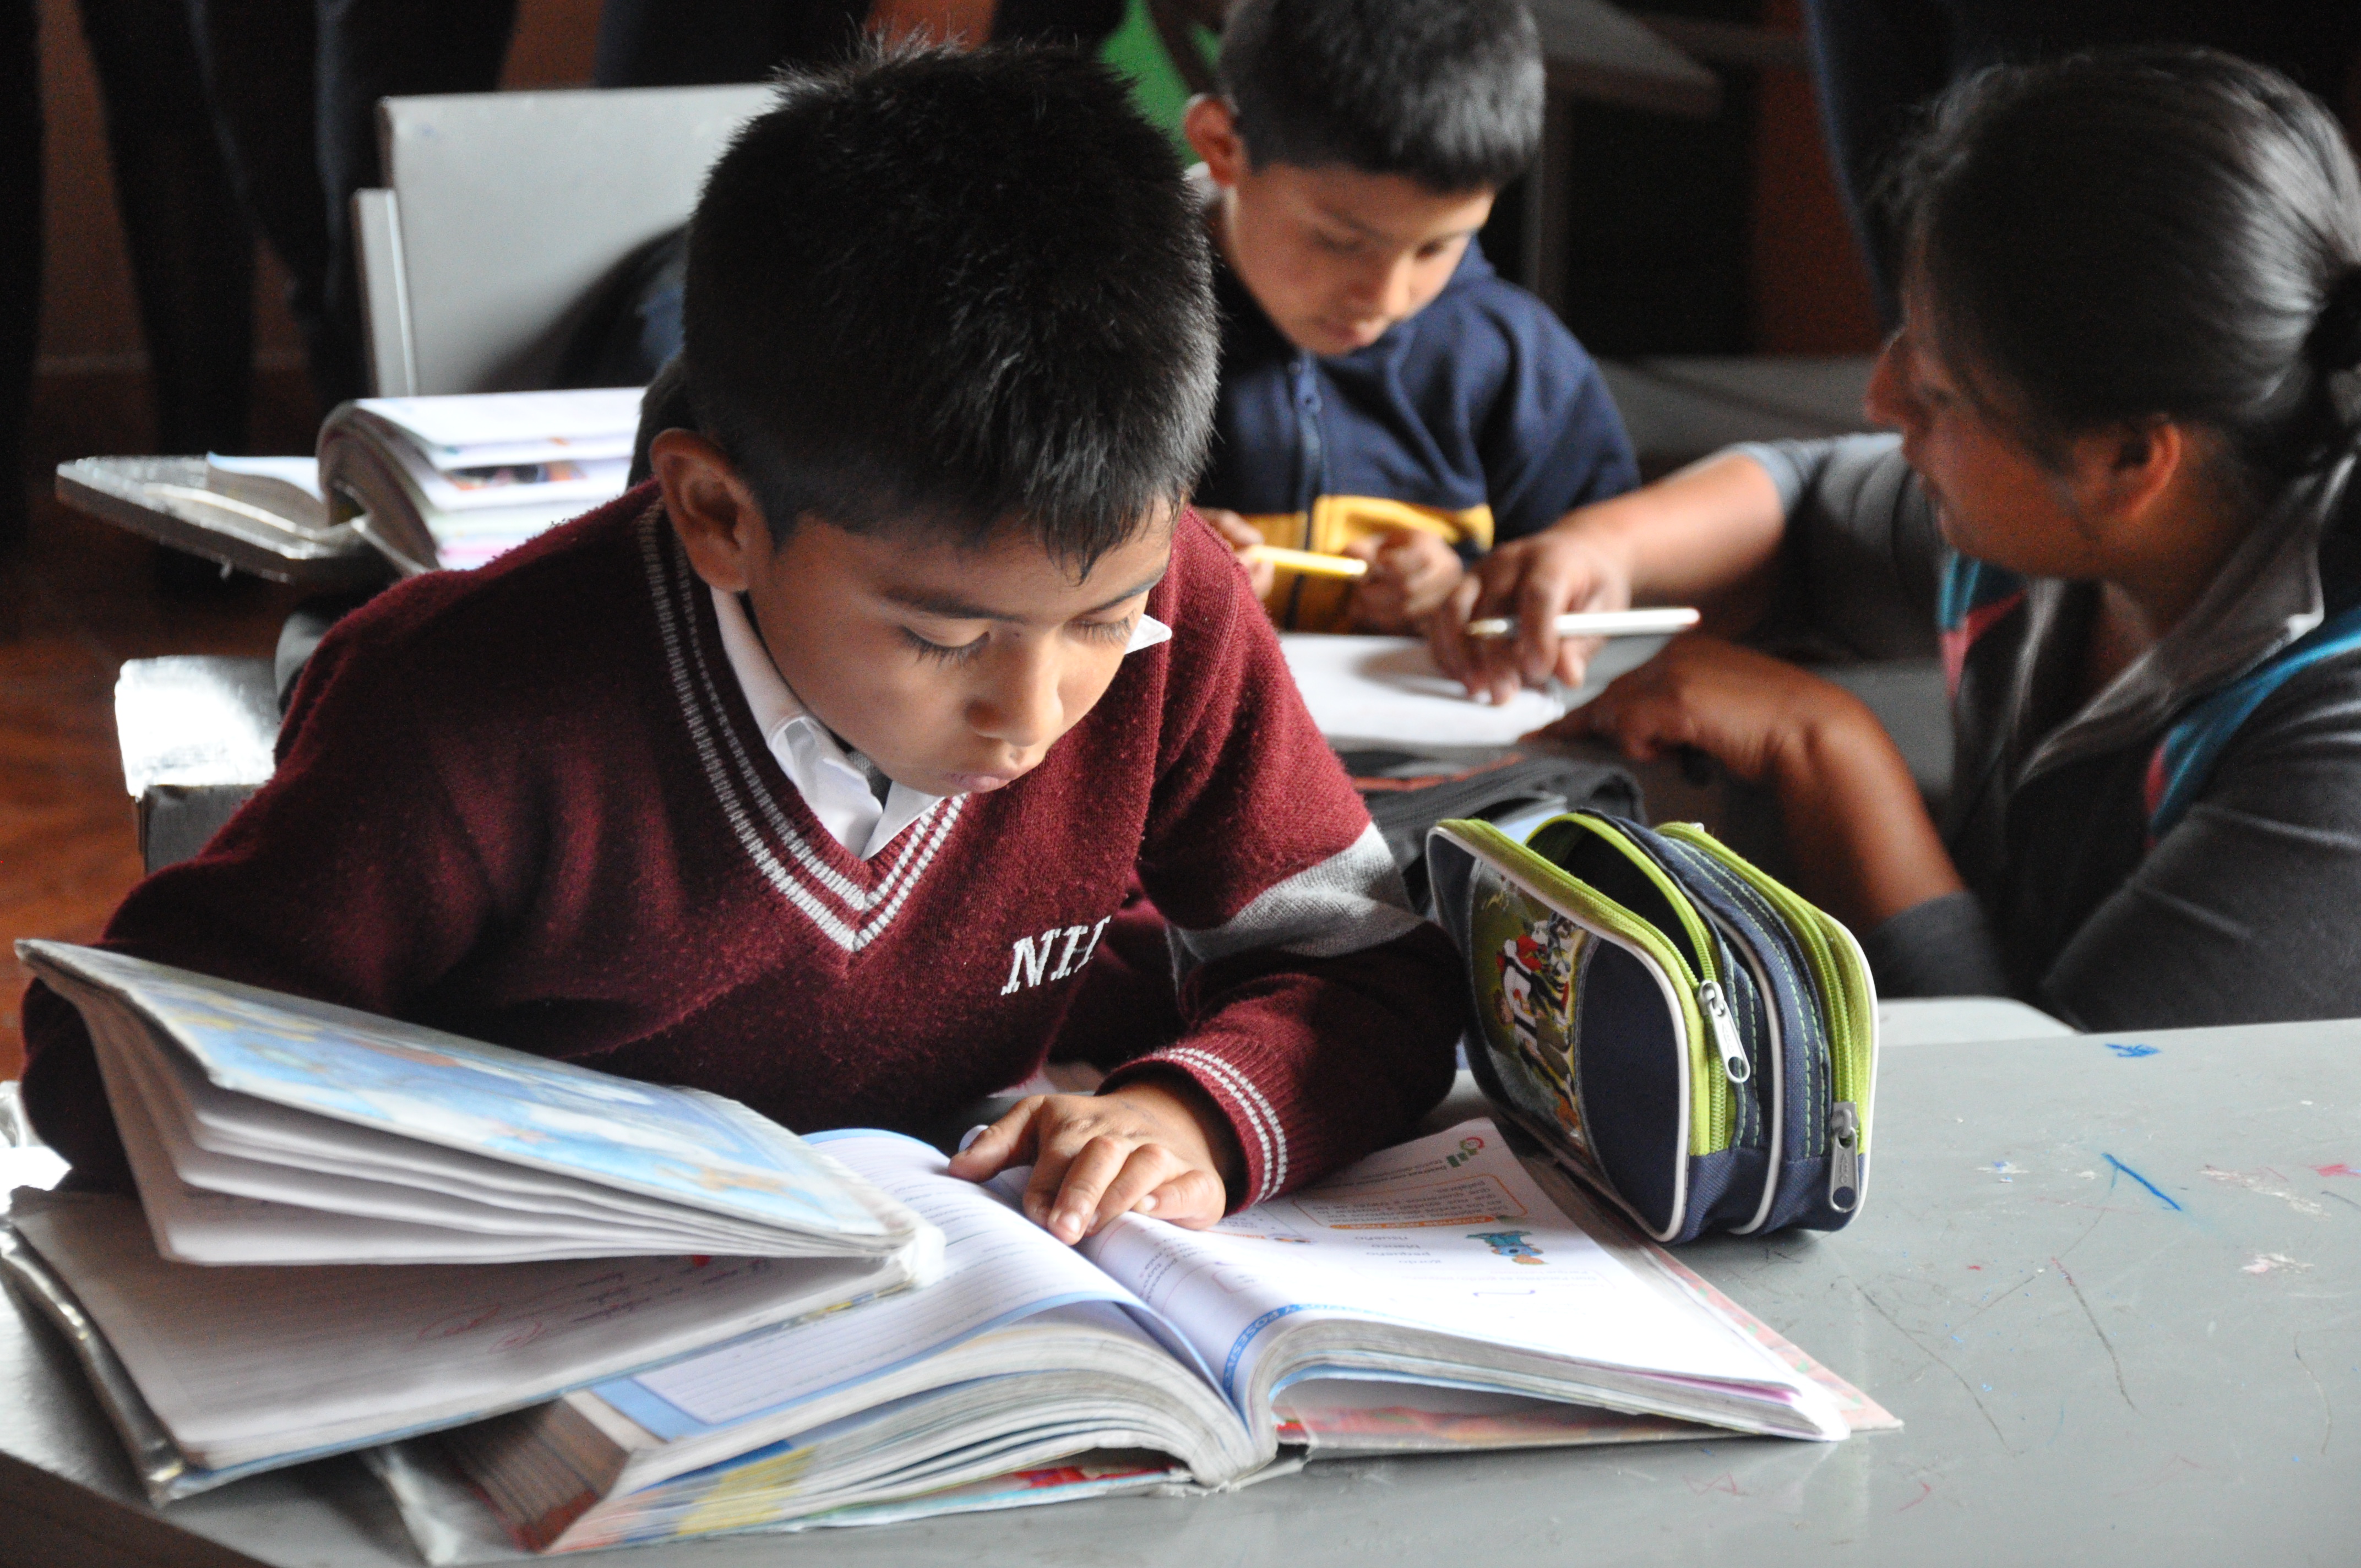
[(90, 392), (1719, 236)]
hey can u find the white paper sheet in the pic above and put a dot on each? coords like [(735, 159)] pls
[(241, 1363), (1387, 692)]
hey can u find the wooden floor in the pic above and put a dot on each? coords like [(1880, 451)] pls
[(77, 600)]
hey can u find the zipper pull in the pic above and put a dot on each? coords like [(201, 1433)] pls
[(1844, 1157), (1734, 1064)]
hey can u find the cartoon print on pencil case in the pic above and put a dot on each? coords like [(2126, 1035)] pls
[(1510, 1245), (1534, 1003)]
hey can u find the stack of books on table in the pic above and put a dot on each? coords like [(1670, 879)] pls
[(397, 485), (562, 1309), (451, 482)]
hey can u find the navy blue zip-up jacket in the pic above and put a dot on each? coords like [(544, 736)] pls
[(1479, 419)]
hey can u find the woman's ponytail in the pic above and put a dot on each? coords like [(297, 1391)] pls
[(2169, 234)]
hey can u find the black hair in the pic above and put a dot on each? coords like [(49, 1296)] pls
[(2153, 234), (954, 291), (1447, 92)]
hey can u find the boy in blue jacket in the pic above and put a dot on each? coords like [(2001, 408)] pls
[(1385, 394)]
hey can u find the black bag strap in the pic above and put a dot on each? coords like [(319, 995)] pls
[(1407, 794)]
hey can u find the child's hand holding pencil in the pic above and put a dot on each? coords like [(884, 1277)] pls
[(1401, 577), (1247, 544), (1410, 574)]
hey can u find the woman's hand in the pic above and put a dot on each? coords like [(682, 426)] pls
[(1242, 536), (1706, 536), (1157, 1147), (1862, 843), (1535, 580), (1411, 572), (1762, 719)]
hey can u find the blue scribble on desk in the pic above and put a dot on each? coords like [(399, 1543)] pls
[(2128, 1052), (2161, 1196)]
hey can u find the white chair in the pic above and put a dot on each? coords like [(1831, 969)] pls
[(504, 212)]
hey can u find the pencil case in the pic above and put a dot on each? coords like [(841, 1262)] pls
[(1685, 1033), (1408, 795)]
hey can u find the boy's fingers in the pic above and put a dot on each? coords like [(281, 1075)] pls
[(1069, 1201), (1049, 1164), (1458, 655), (1194, 1200), (1145, 1169), (1007, 1142), (1235, 532)]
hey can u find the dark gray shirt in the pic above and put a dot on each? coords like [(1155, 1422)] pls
[(2247, 908)]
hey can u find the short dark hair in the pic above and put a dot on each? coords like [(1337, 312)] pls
[(1447, 92), (2148, 234), (958, 290)]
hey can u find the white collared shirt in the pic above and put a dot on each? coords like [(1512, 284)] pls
[(835, 782)]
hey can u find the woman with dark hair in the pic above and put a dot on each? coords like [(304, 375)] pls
[(2122, 491)]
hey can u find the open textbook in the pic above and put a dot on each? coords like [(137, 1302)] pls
[(1429, 1297), (266, 1129)]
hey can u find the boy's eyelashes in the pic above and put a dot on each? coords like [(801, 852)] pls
[(1354, 244), (943, 653), (1109, 630), (1115, 632)]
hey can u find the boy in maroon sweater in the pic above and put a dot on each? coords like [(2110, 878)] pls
[(813, 773)]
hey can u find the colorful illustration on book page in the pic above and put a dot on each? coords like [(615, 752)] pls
[(461, 1093), (1527, 959)]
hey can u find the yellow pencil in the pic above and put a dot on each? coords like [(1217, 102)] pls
[(1309, 562)]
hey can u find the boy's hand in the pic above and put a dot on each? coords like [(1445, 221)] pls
[(1242, 536), (1411, 572), (1158, 1148)]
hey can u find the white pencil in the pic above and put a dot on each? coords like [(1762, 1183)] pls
[(1600, 623)]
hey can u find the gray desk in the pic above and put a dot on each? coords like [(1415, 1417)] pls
[(2112, 1295)]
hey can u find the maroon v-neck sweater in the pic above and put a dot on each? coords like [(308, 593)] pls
[(529, 804)]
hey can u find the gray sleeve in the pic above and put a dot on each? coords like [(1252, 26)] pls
[(1863, 552), (2243, 912), (1941, 948)]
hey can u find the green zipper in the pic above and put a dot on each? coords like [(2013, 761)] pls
[(1836, 969), (1713, 1115)]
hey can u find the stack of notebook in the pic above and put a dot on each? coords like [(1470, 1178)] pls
[(453, 481), (398, 486)]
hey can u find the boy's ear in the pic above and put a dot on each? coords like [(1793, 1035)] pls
[(1213, 131), (718, 520)]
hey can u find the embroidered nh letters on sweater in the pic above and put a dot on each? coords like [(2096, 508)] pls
[(1029, 956)]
